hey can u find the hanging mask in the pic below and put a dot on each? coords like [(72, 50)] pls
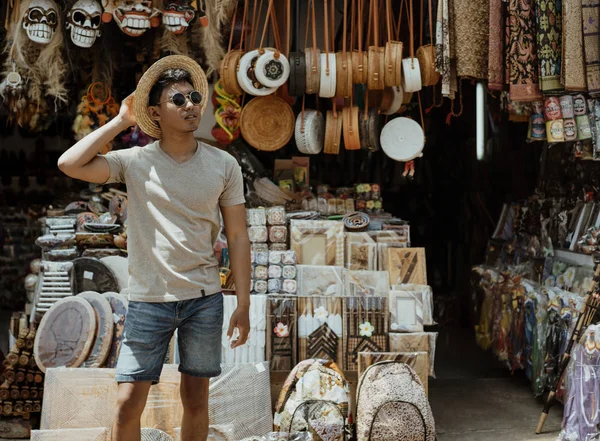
[(177, 15), (40, 21), (83, 19), (134, 17)]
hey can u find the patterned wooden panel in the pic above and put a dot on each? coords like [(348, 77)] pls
[(320, 328), (282, 321), (365, 328), (407, 265)]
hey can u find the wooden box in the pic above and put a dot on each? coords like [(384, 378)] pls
[(282, 320)]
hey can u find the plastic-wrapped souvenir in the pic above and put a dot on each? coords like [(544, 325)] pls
[(274, 285), (262, 258), (278, 233), (276, 215), (289, 258), (290, 286), (260, 286), (275, 272), (261, 272), (275, 257), (289, 272), (256, 217), (257, 234)]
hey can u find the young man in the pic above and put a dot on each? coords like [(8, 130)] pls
[(176, 188)]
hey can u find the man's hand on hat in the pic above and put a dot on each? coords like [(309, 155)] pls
[(126, 112)]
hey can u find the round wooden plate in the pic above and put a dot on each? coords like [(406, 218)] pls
[(104, 329), (92, 275), (65, 335), (119, 305)]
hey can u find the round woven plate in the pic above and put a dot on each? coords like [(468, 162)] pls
[(426, 56), (309, 139), (65, 335), (119, 305), (297, 81), (402, 139), (360, 67), (267, 123), (92, 275), (328, 76), (104, 330), (229, 67), (350, 128), (272, 69)]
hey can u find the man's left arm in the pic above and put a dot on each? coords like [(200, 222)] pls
[(234, 218)]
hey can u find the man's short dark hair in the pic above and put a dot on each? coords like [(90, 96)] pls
[(169, 76)]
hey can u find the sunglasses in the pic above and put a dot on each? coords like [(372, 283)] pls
[(179, 99)]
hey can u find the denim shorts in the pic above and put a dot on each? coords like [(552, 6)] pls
[(149, 328)]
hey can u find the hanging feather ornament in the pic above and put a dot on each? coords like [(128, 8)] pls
[(208, 30), (177, 17), (34, 69)]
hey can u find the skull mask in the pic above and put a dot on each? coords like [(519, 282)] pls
[(134, 17), (84, 22), (178, 15), (41, 20)]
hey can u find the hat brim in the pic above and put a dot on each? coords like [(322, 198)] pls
[(149, 79)]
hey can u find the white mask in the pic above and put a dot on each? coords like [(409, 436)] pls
[(41, 20), (84, 22), (135, 18)]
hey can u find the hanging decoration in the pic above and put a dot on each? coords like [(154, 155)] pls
[(134, 17), (40, 21), (83, 20), (178, 15), (208, 30)]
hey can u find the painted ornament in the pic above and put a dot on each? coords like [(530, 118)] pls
[(41, 20), (134, 17), (178, 15), (83, 20)]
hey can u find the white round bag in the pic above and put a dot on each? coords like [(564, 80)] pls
[(251, 85), (328, 79), (272, 68), (402, 139), (411, 75), (397, 102), (311, 137)]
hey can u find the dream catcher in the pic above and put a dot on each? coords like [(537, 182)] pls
[(34, 68), (96, 108)]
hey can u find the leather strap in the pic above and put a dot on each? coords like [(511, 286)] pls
[(232, 27), (253, 33), (431, 31), (326, 37), (361, 7)]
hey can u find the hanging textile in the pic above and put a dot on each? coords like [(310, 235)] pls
[(472, 30), (573, 72), (591, 43), (444, 58), (522, 52), (496, 46), (549, 40)]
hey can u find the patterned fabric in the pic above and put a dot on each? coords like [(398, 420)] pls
[(496, 46), (472, 29), (444, 62), (573, 72), (227, 115), (591, 43), (522, 52), (549, 40)]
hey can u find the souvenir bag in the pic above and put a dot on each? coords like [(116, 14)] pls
[(426, 53), (369, 128), (327, 86), (376, 54), (315, 398), (272, 67), (310, 131), (344, 63), (297, 82), (246, 73), (230, 63), (411, 71), (313, 57), (267, 123), (392, 405), (333, 131), (393, 52), (350, 126), (360, 60)]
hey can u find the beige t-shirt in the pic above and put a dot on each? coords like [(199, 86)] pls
[(173, 218)]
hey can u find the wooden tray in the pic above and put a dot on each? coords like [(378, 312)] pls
[(320, 328), (119, 305), (104, 329), (281, 349)]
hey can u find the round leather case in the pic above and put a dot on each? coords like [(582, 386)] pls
[(402, 139), (411, 75), (328, 76), (246, 75), (369, 129), (344, 74), (360, 67), (310, 135), (297, 81), (272, 69), (229, 67), (375, 77), (392, 62), (426, 56), (350, 128), (313, 70), (333, 133)]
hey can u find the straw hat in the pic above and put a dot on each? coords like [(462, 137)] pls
[(149, 79)]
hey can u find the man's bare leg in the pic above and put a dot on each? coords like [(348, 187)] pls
[(131, 400), (194, 397)]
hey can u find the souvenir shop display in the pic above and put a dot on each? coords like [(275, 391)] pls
[(320, 328)]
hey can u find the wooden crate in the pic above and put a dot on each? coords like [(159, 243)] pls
[(320, 328), (357, 311), (282, 349)]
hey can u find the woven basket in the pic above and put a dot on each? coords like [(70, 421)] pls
[(375, 77), (426, 57), (350, 128), (344, 74), (267, 123), (333, 133), (228, 72), (393, 60), (313, 70), (360, 67)]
